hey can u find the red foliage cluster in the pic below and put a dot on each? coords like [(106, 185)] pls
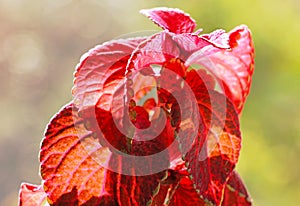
[(154, 121)]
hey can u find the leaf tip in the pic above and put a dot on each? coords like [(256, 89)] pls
[(171, 19)]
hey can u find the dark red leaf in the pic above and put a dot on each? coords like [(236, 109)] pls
[(139, 117), (129, 181), (235, 192), (177, 190), (186, 195), (31, 195), (176, 65), (134, 189), (143, 142), (173, 20), (215, 151)]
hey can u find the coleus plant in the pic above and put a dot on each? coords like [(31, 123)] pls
[(154, 121)]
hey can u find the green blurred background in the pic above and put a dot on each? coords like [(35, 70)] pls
[(42, 41)]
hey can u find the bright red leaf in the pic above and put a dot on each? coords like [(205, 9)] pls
[(69, 162), (104, 64), (233, 67), (74, 172), (154, 120), (219, 38), (173, 20)]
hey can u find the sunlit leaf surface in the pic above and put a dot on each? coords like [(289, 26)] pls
[(154, 121)]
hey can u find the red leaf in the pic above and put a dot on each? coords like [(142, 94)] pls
[(165, 46), (136, 98), (103, 65), (31, 195), (216, 149), (235, 192), (72, 173), (234, 67), (140, 117), (177, 190), (134, 189), (219, 38), (173, 20), (129, 185), (186, 194), (70, 165), (149, 104), (156, 50)]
